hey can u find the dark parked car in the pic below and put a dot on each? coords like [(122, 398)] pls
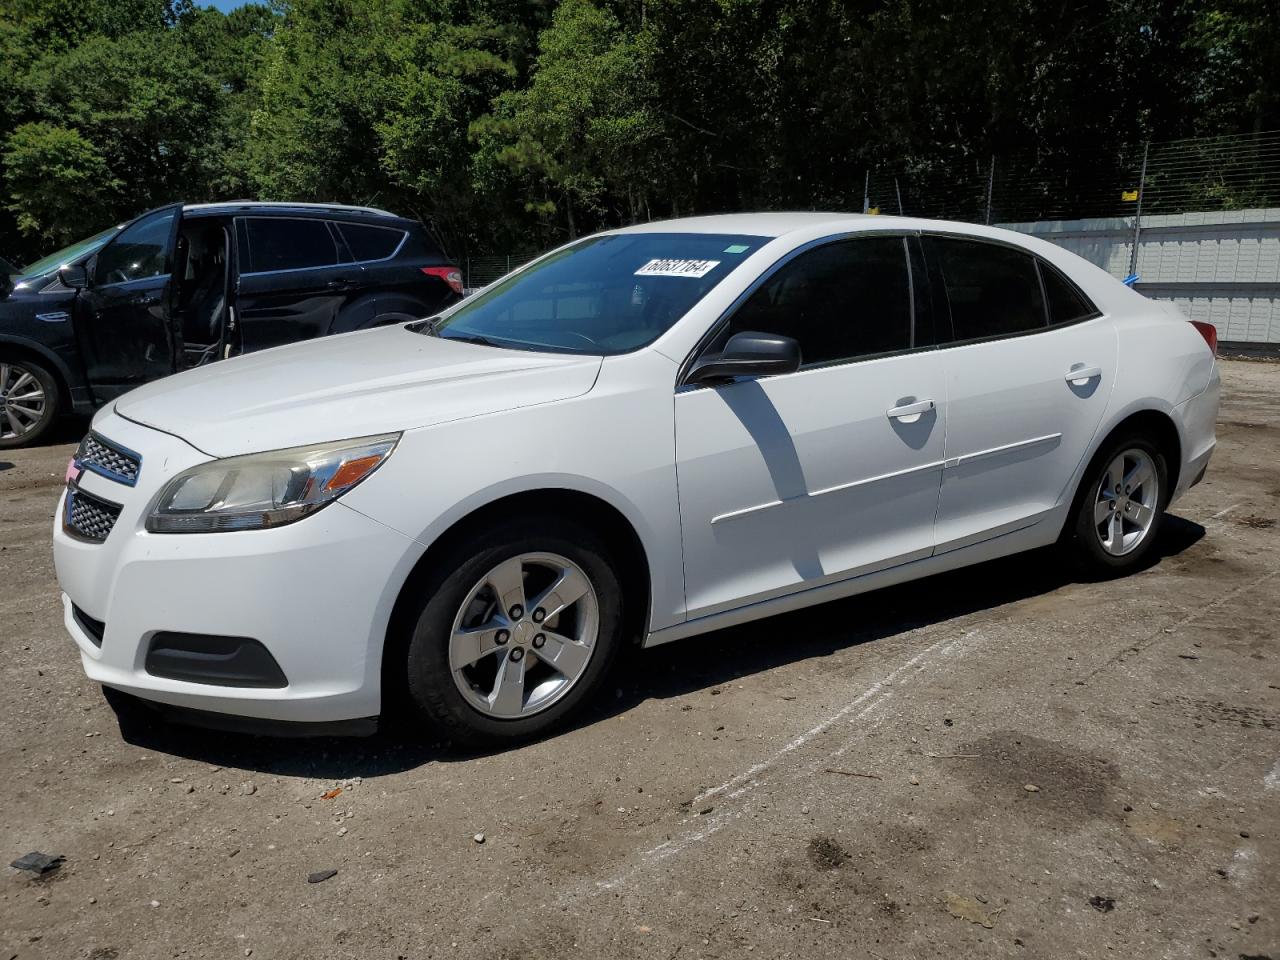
[(183, 286)]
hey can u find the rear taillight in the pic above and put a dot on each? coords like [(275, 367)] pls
[(1209, 332), (450, 275)]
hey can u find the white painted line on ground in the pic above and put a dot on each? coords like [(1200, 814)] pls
[(1189, 619), (822, 727), (749, 781)]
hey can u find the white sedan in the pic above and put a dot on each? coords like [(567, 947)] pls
[(644, 435)]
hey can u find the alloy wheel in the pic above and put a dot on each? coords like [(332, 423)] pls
[(22, 401), (1126, 502), (524, 635)]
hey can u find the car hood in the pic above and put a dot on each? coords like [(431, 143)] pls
[(350, 385)]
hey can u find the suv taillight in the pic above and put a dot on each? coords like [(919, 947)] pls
[(1209, 332), (450, 275)]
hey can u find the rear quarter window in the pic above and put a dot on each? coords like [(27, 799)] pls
[(368, 242), (1066, 303)]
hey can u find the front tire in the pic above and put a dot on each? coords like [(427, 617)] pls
[(29, 402), (1120, 506), (516, 633)]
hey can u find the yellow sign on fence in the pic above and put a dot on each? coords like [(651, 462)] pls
[(1129, 196)]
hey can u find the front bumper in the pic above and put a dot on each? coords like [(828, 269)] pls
[(317, 594)]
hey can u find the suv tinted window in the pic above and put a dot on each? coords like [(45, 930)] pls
[(1066, 303), (278, 243), (141, 250), (368, 242), (843, 300), (993, 290)]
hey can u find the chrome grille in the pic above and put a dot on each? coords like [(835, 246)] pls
[(87, 517), (106, 459)]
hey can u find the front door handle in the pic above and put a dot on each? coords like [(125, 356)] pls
[(910, 412), (340, 285), (1079, 373), (144, 300)]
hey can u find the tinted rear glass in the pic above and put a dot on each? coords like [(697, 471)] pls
[(370, 243), (278, 243), (609, 294), (993, 290)]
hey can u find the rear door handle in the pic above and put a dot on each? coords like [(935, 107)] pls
[(144, 301), (340, 285), (910, 412), (1080, 373)]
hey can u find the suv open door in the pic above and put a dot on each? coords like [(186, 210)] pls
[(124, 315)]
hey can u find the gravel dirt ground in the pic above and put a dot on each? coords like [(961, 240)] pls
[(1001, 762)]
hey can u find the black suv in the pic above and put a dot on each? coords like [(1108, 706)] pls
[(183, 286)]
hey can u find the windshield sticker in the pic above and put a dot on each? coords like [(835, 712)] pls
[(736, 248), (677, 268)]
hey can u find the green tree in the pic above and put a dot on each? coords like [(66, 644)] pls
[(583, 134), (57, 179)]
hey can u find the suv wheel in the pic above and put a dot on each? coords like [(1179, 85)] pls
[(28, 402), (517, 634), (1120, 506)]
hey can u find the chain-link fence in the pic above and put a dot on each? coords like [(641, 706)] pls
[(1179, 176), (478, 272)]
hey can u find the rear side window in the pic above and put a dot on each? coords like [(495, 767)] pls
[(841, 301), (993, 290), (370, 243), (278, 243), (1066, 303)]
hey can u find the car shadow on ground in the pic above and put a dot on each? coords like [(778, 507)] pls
[(672, 670)]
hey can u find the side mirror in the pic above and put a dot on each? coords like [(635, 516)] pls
[(748, 354), (74, 275)]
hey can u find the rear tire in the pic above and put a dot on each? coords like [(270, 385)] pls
[(1119, 508), (29, 402), (516, 632)]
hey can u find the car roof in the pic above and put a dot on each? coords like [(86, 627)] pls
[(775, 225)]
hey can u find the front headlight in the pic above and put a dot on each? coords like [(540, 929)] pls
[(264, 490)]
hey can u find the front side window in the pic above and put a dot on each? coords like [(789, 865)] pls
[(279, 243), (842, 301), (604, 295), (140, 251), (993, 290)]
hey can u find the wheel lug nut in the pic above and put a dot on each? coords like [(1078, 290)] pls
[(517, 612), (539, 615), (502, 637), (538, 640), (517, 653)]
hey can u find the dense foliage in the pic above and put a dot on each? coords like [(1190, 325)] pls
[(509, 124)]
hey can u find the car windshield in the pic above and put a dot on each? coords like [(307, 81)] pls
[(68, 254), (605, 295)]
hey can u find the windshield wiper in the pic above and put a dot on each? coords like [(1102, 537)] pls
[(469, 338)]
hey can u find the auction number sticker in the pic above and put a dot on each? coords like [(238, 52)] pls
[(677, 268)]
